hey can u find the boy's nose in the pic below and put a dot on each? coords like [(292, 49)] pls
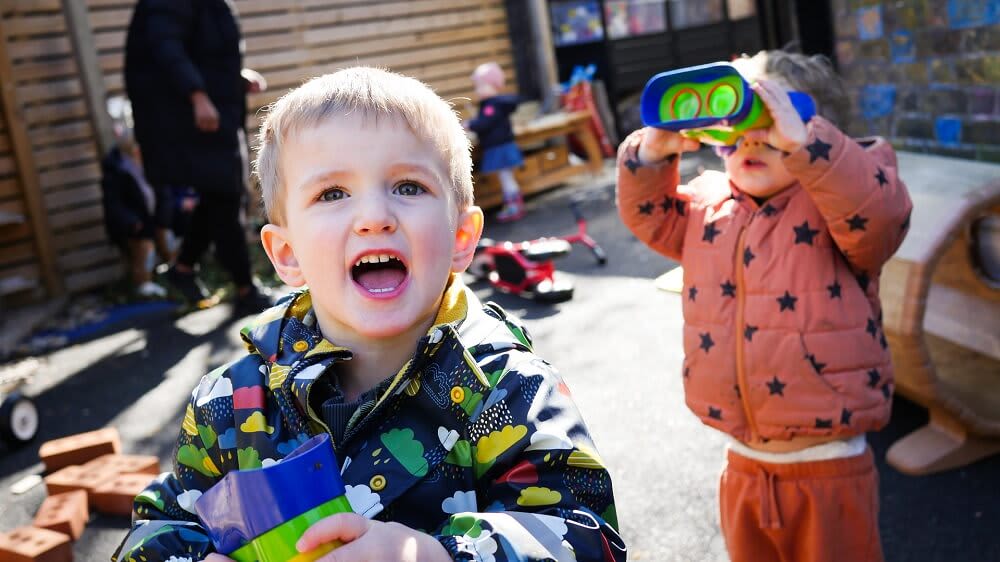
[(374, 216)]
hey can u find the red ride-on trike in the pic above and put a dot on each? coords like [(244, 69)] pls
[(526, 269)]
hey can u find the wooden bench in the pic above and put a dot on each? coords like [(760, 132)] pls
[(547, 167), (942, 314)]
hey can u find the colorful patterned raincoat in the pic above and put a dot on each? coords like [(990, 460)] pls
[(476, 441)]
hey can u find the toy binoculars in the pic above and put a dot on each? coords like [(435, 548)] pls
[(258, 515), (711, 103)]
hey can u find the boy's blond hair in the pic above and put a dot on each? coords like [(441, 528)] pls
[(375, 93), (813, 75)]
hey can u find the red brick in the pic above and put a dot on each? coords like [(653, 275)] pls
[(126, 464), (77, 478), (115, 497), (79, 448), (31, 544), (66, 513)]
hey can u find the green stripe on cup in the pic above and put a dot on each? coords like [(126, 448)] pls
[(278, 544)]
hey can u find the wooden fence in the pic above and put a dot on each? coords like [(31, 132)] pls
[(60, 59)]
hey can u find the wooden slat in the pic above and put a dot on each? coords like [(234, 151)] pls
[(76, 153), (38, 218), (14, 233), (9, 187), (93, 278), (53, 89), (53, 179), (74, 130), (86, 257), (55, 111), (35, 24), (31, 48), (69, 239), (77, 217), (17, 254), (90, 74)]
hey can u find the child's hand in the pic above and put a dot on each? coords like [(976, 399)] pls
[(367, 540), (217, 558), (657, 144), (788, 133)]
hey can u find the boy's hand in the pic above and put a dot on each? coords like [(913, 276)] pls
[(657, 144), (788, 132), (371, 541)]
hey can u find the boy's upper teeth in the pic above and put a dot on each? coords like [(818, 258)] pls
[(374, 258)]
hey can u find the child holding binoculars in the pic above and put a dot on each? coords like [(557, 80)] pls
[(784, 348)]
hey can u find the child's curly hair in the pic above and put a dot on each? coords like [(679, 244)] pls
[(813, 75)]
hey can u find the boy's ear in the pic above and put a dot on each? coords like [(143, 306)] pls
[(279, 250), (467, 233)]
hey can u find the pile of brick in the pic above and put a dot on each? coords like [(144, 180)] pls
[(84, 471)]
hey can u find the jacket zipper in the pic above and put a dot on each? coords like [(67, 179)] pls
[(741, 375)]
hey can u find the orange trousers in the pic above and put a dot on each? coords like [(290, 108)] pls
[(801, 512)]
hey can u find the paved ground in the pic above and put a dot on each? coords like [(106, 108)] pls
[(618, 345)]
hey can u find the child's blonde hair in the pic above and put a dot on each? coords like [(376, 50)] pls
[(813, 75), (489, 73), (373, 92)]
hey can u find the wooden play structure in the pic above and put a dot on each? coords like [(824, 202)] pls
[(61, 59), (941, 307)]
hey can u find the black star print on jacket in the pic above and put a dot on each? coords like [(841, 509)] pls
[(710, 233), (873, 378), (787, 301), (706, 341), (834, 290), (728, 289), (804, 234), (819, 149), (775, 386), (857, 222)]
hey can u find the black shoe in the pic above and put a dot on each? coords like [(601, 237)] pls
[(256, 300), (187, 285)]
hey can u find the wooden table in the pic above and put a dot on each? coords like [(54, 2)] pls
[(548, 167)]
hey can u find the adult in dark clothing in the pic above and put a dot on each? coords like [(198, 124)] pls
[(185, 78)]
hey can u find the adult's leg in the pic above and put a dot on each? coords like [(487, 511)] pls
[(230, 239)]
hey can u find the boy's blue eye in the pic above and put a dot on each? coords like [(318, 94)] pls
[(332, 194), (409, 189)]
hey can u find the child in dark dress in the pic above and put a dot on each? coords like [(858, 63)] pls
[(496, 137)]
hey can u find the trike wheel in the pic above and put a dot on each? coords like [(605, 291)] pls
[(18, 419), (556, 290)]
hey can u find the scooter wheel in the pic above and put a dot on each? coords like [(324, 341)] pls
[(18, 419)]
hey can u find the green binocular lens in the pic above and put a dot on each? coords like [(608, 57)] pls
[(720, 98)]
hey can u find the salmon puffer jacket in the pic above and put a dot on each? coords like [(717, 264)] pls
[(783, 326)]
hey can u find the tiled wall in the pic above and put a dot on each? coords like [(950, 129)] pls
[(924, 73)]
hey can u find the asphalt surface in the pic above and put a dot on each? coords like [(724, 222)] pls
[(618, 345)]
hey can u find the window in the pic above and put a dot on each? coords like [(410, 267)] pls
[(576, 21), (740, 9), (626, 18), (692, 13)]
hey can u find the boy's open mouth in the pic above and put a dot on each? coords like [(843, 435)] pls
[(753, 163), (379, 273)]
